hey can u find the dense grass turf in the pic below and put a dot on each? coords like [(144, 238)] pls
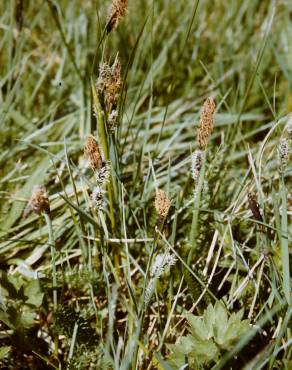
[(120, 286)]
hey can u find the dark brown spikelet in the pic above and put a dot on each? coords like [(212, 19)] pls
[(109, 84), (92, 153), (113, 85), (19, 14), (206, 123), (117, 12), (254, 207), (38, 203)]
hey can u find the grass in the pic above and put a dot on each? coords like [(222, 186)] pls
[(73, 283)]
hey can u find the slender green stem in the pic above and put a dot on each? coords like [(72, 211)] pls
[(104, 144), (143, 307), (285, 243), (197, 201), (153, 249), (53, 255)]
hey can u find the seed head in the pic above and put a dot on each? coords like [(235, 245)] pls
[(117, 12), (283, 153), (39, 202), (97, 197), (108, 86), (112, 120), (206, 123), (93, 153), (102, 174), (113, 84), (162, 203), (254, 207), (149, 291), (161, 263)]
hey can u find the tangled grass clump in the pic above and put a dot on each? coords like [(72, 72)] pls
[(149, 148)]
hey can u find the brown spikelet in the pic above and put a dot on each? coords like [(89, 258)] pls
[(117, 12), (92, 153), (108, 87), (206, 123), (113, 85), (255, 208), (39, 202), (162, 203)]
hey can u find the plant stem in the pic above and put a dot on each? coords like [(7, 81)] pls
[(53, 254), (285, 243), (104, 144), (197, 201)]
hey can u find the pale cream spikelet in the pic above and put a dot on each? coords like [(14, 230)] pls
[(117, 12), (206, 123), (159, 266), (112, 120), (162, 203), (97, 197), (197, 161), (283, 153), (102, 174), (92, 153), (39, 202), (162, 261)]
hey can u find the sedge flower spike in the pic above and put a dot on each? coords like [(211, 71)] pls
[(283, 153), (100, 168), (254, 207), (108, 87), (39, 202), (197, 159), (162, 261), (117, 12), (159, 266), (92, 153), (162, 203), (97, 197), (206, 123)]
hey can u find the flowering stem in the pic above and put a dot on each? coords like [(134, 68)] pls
[(197, 200), (53, 255), (285, 242), (104, 144)]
